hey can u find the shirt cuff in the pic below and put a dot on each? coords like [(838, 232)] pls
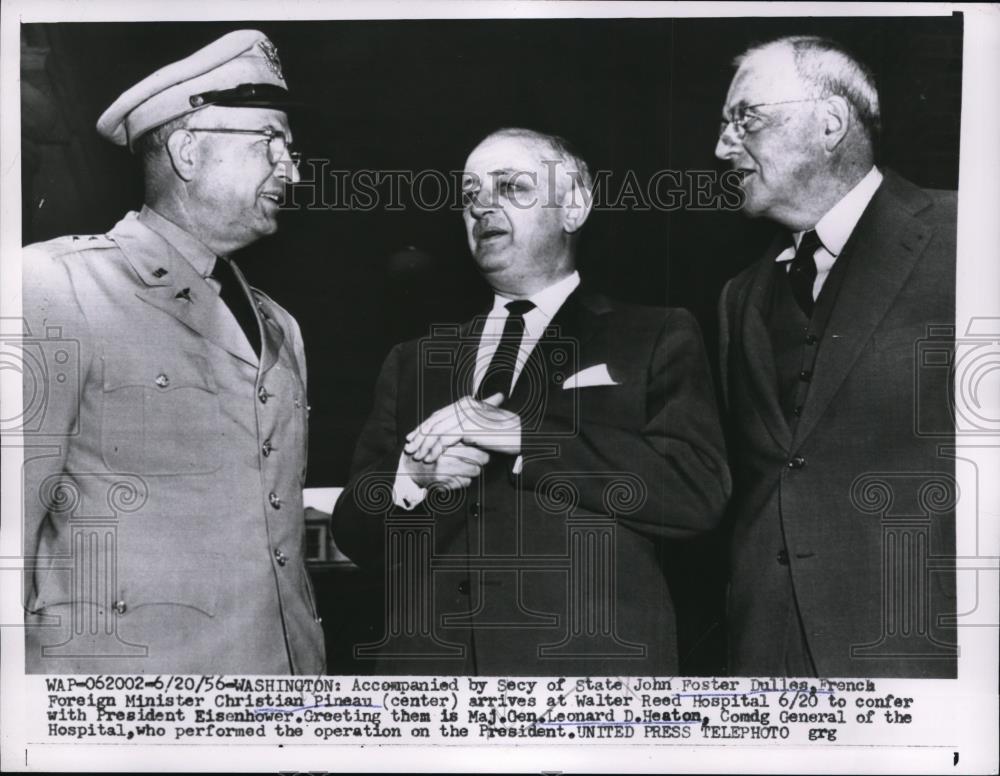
[(405, 492)]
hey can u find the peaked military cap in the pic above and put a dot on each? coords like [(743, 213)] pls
[(239, 70)]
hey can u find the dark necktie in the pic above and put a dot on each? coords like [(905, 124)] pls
[(802, 273), (500, 373), (236, 300)]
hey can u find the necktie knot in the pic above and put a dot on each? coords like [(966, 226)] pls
[(808, 242), (520, 307)]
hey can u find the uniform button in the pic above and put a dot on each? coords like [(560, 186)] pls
[(783, 557), (805, 375), (162, 381), (279, 556), (797, 462), (266, 448), (811, 339), (263, 395), (275, 501), (463, 587), (120, 607), (797, 411)]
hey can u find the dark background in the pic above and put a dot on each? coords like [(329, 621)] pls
[(634, 95)]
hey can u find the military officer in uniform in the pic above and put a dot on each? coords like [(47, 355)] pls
[(163, 516)]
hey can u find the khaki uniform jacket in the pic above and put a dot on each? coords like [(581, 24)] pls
[(163, 470)]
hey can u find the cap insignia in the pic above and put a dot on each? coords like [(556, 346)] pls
[(271, 55)]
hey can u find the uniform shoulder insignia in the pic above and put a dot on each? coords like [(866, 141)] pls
[(73, 243)]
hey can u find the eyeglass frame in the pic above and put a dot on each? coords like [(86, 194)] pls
[(739, 122), (270, 134)]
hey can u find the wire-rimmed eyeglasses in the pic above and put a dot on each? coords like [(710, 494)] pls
[(746, 122), (277, 143)]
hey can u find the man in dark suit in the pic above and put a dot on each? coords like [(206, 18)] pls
[(516, 470), (843, 511)]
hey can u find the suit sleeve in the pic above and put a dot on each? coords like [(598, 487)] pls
[(724, 318), (57, 352), (676, 461), (358, 517)]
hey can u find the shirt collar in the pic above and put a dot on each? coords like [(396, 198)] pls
[(834, 228), (548, 300), (191, 248)]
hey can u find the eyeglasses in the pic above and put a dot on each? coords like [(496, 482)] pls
[(277, 143), (746, 122)]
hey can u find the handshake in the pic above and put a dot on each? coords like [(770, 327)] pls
[(451, 447)]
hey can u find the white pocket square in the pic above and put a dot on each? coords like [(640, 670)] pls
[(591, 376)]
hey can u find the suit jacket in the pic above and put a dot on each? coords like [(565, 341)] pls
[(841, 500), (553, 570), (164, 469)]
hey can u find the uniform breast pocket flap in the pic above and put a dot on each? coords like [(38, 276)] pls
[(161, 413)]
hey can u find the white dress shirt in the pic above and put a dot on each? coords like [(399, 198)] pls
[(547, 303), (834, 228), (406, 493)]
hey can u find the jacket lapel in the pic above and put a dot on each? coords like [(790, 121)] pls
[(273, 335), (758, 353), (557, 353), (172, 285), (882, 252), (576, 322), (466, 353), (274, 338)]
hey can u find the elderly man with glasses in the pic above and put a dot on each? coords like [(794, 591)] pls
[(840, 560), (163, 516)]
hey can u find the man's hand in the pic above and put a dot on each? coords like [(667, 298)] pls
[(470, 421), (455, 468)]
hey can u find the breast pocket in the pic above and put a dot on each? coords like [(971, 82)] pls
[(161, 415), (621, 406)]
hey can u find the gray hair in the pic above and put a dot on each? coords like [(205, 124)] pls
[(831, 69), (561, 149)]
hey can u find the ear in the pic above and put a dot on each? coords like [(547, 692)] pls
[(577, 200), (183, 152), (836, 121)]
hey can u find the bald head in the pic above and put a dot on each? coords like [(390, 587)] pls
[(525, 203)]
